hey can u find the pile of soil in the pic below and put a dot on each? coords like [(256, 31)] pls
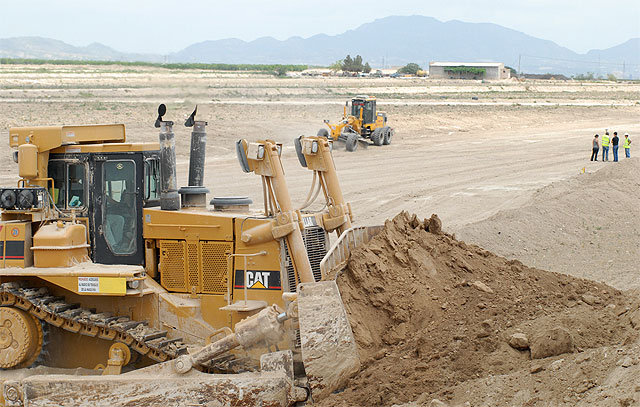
[(430, 312), (587, 226)]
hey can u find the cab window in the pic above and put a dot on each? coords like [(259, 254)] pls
[(356, 105), (77, 182), (69, 184), (369, 109), (56, 171), (119, 211), (151, 179)]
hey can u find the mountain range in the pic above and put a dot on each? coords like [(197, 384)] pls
[(389, 41)]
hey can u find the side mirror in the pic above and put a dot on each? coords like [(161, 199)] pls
[(297, 142), (162, 109), (191, 120), (242, 155)]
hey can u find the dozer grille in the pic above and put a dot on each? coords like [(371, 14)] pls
[(172, 272), (194, 267), (316, 242), (215, 267), (193, 261)]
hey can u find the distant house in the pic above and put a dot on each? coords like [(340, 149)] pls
[(468, 70)]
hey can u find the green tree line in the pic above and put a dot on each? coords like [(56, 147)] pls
[(214, 67)]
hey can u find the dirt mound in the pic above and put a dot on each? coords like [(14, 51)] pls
[(587, 226), (430, 312)]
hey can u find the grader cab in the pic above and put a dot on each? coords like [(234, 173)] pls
[(108, 267), (363, 123)]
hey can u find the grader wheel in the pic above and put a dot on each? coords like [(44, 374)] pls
[(352, 142), (20, 338), (378, 136), (388, 134)]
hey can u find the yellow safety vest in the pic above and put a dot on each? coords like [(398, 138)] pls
[(605, 141), (626, 143)]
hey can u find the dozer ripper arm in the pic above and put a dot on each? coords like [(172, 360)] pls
[(329, 351), (265, 326), (314, 153), (263, 158)]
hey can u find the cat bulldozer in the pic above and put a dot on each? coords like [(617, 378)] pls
[(359, 126), (119, 288)]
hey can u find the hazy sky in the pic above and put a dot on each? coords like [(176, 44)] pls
[(163, 26)]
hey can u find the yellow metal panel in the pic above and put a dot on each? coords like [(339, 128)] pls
[(211, 313), (194, 273), (106, 148), (50, 137), (112, 285), (116, 286), (28, 160), (269, 262), (183, 225)]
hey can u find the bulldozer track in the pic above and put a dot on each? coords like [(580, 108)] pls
[(55, 311)]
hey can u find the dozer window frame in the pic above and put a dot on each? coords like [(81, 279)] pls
[(108, 195), (149, 198), (66, 163)]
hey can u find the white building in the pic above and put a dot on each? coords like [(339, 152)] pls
[(468, 70)]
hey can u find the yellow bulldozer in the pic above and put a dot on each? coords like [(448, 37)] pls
[(117, 287), (360, 125)]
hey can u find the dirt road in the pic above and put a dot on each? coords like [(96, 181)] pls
[(463, 161)]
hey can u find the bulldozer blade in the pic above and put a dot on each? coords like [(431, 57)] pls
[(160, 385), (329, 350)]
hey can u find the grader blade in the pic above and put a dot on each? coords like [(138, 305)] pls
[(329, 350)]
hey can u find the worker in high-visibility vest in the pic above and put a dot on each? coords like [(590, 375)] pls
[(605, 146), (627, 145)]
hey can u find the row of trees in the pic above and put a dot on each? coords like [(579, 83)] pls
[(355, 65), (349, 64)]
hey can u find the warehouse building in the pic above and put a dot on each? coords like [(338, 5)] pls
[(468, 70)]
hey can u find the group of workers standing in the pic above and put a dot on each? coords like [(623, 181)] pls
[(613, 142)]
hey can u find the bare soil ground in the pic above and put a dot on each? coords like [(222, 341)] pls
[(487, 157), (434, 317), (587, 226)]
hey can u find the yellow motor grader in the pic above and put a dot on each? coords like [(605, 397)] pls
[(362, 124), (149, 295)]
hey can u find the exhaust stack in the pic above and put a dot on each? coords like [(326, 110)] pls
[(169, 199), (195, 195)]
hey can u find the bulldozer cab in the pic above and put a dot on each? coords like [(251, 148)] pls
[(109, 190), (368, 107)]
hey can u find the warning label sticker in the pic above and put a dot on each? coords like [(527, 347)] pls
[(88, 284)]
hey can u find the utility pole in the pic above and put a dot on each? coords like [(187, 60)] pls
[(519, 70), (623, 66)]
